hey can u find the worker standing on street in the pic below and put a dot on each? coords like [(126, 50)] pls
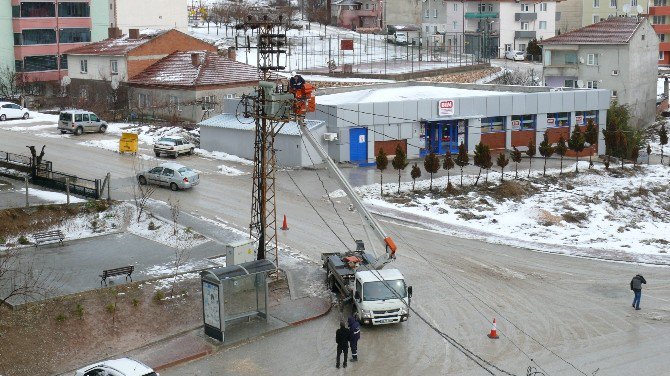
[(354, 336), (636, 286), (342, 339), (296, 82)]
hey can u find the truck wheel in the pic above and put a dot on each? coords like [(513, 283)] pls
[(78, 131), (174, 187), (103, 128)]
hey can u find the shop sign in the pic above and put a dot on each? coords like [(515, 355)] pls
[(551, 121), (446, 107)]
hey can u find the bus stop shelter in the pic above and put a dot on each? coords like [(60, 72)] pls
[(234, 293)]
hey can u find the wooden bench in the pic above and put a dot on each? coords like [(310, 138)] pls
[(48, 236), (127, 270)]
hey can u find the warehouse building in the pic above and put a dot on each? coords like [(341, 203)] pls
[(422, 117)]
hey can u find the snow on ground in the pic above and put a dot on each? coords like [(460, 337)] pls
[(51, 197), (597, 213), (229, 171), (112, 145), (148, 134), (659, 88), (35, 117), (163, 233), (221, 156)]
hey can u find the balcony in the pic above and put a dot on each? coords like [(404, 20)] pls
[(662, 29), (561, 70), (524, 34), (525, 16), (659, 11), (664, 46), (477, 15)]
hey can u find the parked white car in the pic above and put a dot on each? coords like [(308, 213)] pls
[(9, 110), (515, 55), (171, 175), (116, 367), (173, 146)]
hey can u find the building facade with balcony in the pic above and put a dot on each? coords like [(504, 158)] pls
[(41, 32), (618, 54), (442, 24), (509, 25), (353, 14), (659, 15)]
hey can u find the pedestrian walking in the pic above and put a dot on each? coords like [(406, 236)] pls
[(636, 286), (342, 339), (354, 336)]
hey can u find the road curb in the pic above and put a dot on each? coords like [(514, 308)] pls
[(300, 322), (185, 359)]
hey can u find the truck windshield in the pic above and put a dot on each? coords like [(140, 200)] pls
[(384, 290)]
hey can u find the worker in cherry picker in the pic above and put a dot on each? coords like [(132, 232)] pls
[(296, 82)]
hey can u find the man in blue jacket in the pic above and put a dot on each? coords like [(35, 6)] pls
[(354, 336), (636, 286)]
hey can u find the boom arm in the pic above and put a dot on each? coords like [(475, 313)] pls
[(356, 201)]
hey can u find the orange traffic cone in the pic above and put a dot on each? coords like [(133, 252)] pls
[(494, 331), (285, 225)]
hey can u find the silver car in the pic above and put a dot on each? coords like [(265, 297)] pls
[(78, 122), (171, 175)]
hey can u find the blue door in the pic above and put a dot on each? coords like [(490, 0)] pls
[(358, 144)]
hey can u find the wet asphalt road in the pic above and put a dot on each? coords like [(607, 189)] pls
[(548, 307)]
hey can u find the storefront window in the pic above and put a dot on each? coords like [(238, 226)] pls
[(558, 119), (523, 122), (493, 124), (582, 117)]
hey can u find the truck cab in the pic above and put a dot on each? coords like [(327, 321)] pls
[(381, 297)]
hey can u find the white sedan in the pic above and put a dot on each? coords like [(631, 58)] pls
[(117, 367), (10, 110), (515, 55)]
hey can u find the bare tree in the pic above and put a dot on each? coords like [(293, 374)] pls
[(175, 210), (22, 279), (142, 191), (181, 254), (523, 77)]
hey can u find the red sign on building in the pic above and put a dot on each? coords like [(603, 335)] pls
[(445, 107)]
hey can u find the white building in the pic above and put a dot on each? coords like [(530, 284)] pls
[(148, 14)]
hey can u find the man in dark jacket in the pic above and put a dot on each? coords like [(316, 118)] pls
[(636, 286), (342, 339), (354, 336)]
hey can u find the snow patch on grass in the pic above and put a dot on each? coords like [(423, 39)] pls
[(221, 156), (229, 171)]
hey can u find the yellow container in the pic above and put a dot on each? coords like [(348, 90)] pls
[(128, 143)]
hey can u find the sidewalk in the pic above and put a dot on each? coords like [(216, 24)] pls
[(193, 344)]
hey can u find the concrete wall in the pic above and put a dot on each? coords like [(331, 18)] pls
[(402, 12), (291, 150), (99, 67), (643, 63), (571, 15), (100, 14), (6, 36), (151, 14)]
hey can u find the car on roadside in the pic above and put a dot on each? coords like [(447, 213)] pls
[(116, 367), (171, 175), (515, 55), (173, 146), (9, 110), (79, 121)]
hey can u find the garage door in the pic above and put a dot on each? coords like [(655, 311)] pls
[(389, 146), (358, 144)]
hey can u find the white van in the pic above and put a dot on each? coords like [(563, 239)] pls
[(78, 122)]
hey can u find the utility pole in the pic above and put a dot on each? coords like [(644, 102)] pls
[(270, 107)]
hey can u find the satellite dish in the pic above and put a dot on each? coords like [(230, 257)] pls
[(580, 83), (626, 8), (639, 9), (65, 81), (115, 82)]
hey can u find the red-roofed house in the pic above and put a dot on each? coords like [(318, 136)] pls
[(190, 85), (93, 67), (619, 54)]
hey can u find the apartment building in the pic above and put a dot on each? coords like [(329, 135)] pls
[(579, 13), (35, 35), (442, 22), (147, 14), (353, 14), (659, 15), (618, 54)]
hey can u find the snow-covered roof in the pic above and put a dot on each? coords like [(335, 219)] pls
[(398, 94), (177, 69), (383, 274), (230, 121), (117, 46)]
